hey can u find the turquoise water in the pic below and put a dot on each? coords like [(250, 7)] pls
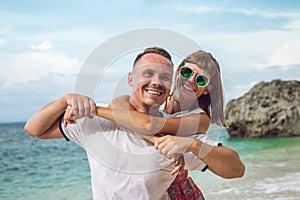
[(56, 169), (36, 169), (272, 171)]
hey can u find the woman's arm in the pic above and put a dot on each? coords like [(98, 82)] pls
[(150, 125), (221, 160)]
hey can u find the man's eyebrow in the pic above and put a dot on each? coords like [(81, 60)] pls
[(167, 74), (148, 70)]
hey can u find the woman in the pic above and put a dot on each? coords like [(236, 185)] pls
[(196, 100)]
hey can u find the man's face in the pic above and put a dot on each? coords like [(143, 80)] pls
[(151, 80)]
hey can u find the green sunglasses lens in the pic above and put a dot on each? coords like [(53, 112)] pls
[(201, 80), (186, 72)]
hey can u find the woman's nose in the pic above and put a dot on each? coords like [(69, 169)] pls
[(192, 79)]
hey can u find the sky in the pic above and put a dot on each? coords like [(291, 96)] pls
[(44, 44)]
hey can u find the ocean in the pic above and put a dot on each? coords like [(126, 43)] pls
[(33, 169)]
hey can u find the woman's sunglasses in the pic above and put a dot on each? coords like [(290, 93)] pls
[(201, 79)]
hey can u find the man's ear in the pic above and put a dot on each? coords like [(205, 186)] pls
[(129, 79)]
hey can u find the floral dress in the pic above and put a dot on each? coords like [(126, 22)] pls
[(184, 188)]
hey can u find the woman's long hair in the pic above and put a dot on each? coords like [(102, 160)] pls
[(212, 103)]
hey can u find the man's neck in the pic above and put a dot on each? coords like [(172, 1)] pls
[(144, 108)]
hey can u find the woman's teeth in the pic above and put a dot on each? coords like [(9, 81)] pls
[(188, 88)]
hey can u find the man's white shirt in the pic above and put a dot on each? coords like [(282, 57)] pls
[(123, 164)]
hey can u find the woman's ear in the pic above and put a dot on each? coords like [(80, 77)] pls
[(129, 80)]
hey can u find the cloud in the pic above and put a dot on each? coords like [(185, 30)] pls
[(293, 25), (2, 41), (18, 101), (285, 56), (46, 45), (31, 79), (254, 50), (264, 13), (31, 65), (200, 10)]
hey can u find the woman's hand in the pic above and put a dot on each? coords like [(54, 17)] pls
[(69, 117), (179, 165)]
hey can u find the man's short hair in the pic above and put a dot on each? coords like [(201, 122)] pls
[(156, 50)]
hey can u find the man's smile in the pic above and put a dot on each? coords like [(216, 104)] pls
[(154, 91)]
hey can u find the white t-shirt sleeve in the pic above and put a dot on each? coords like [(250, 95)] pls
[(192, 162), (73, 132), (79, 132)]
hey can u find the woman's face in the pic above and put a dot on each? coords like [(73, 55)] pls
[(187, 89)]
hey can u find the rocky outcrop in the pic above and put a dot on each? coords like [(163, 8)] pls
[(269, 109)]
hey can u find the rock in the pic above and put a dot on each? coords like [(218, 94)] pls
[(269, 109)]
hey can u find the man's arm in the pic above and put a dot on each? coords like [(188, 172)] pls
[(45, 123)]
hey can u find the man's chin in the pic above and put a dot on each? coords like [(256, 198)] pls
[(153, 103)]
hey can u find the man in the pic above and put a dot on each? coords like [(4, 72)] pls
[(111, 169), (123, 165)]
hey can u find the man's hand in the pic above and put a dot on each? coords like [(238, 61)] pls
[(169, 145), (79, 106)]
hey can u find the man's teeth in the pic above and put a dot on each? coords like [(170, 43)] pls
[(154, 92)]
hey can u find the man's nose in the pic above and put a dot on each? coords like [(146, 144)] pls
[(156, 80)]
